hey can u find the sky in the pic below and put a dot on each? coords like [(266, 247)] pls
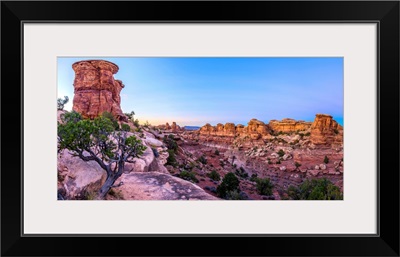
[(193, 91)]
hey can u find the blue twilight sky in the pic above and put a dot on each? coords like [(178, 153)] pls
[(196, 91)]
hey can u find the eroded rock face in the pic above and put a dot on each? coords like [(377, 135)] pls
[(289, 125), (95, 89), (325, 130)]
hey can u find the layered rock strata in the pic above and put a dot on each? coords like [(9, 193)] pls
[(95, 89)]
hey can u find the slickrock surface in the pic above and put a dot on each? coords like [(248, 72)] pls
[(159, 186)]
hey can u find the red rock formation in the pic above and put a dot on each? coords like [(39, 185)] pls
[(174, 127), (96, 90), (325, 130), (289, 125)]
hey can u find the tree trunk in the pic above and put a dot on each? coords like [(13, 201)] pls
[(106, 187)]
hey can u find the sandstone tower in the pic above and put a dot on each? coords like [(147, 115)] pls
[(95, 89)]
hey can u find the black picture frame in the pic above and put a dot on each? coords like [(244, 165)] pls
[(383, 13)]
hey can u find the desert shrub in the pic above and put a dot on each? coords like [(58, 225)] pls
[(116, 194), (214, 175), (264, 186), (136, 123), (278, 162), (130, 115), (71, 117), (147, 124), (61, 102), (171, 160), (170, 143), (189, 176), (125, 127), (235, 195), (216, 152), (326, 160), (281, 153), (307, 134), (241, 172), (297, 164), (111, 117), (254, 177), (336, 131), (229, 183), (202, 159), (315, 189)]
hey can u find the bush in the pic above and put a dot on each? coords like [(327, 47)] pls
[(202, 159), (136, 123), (235, 195), (254, 177), (316, 189), (297, 164), (71, 117), (214, 175), (326, 160), (216, 152), (336, 131), (125, 127), (111, 117), (61, 102), (189, 176), (170, 143), (241, 172), (264, 186), (130, 115), (281, 153), (171, 160), (229, 183), (307, 134)]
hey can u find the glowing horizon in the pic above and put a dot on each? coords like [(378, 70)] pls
[(193, 91)]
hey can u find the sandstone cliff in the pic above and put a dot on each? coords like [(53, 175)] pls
[(325, 130), (95, 89), (289, 125)]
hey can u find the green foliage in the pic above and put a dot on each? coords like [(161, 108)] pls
[(111, 117), (235, 195), (189, 176), (61, 102), (214, 175), (125, 127), (202, 159), (170, 143), (336, 131), (254, 177), (229, 183), (316, 189), (136, 123), (307, 134), (241, 172), (297, 164), (71, 117), (147, 124), (130, 115), (216, 152), (171, 160), (281, 153), (264, 186), (97, 140), (326, 160)]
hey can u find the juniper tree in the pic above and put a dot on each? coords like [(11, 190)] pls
[(98, 140), (61, 102)]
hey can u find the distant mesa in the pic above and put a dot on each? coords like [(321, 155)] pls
[(323, 130), (95, 89)]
